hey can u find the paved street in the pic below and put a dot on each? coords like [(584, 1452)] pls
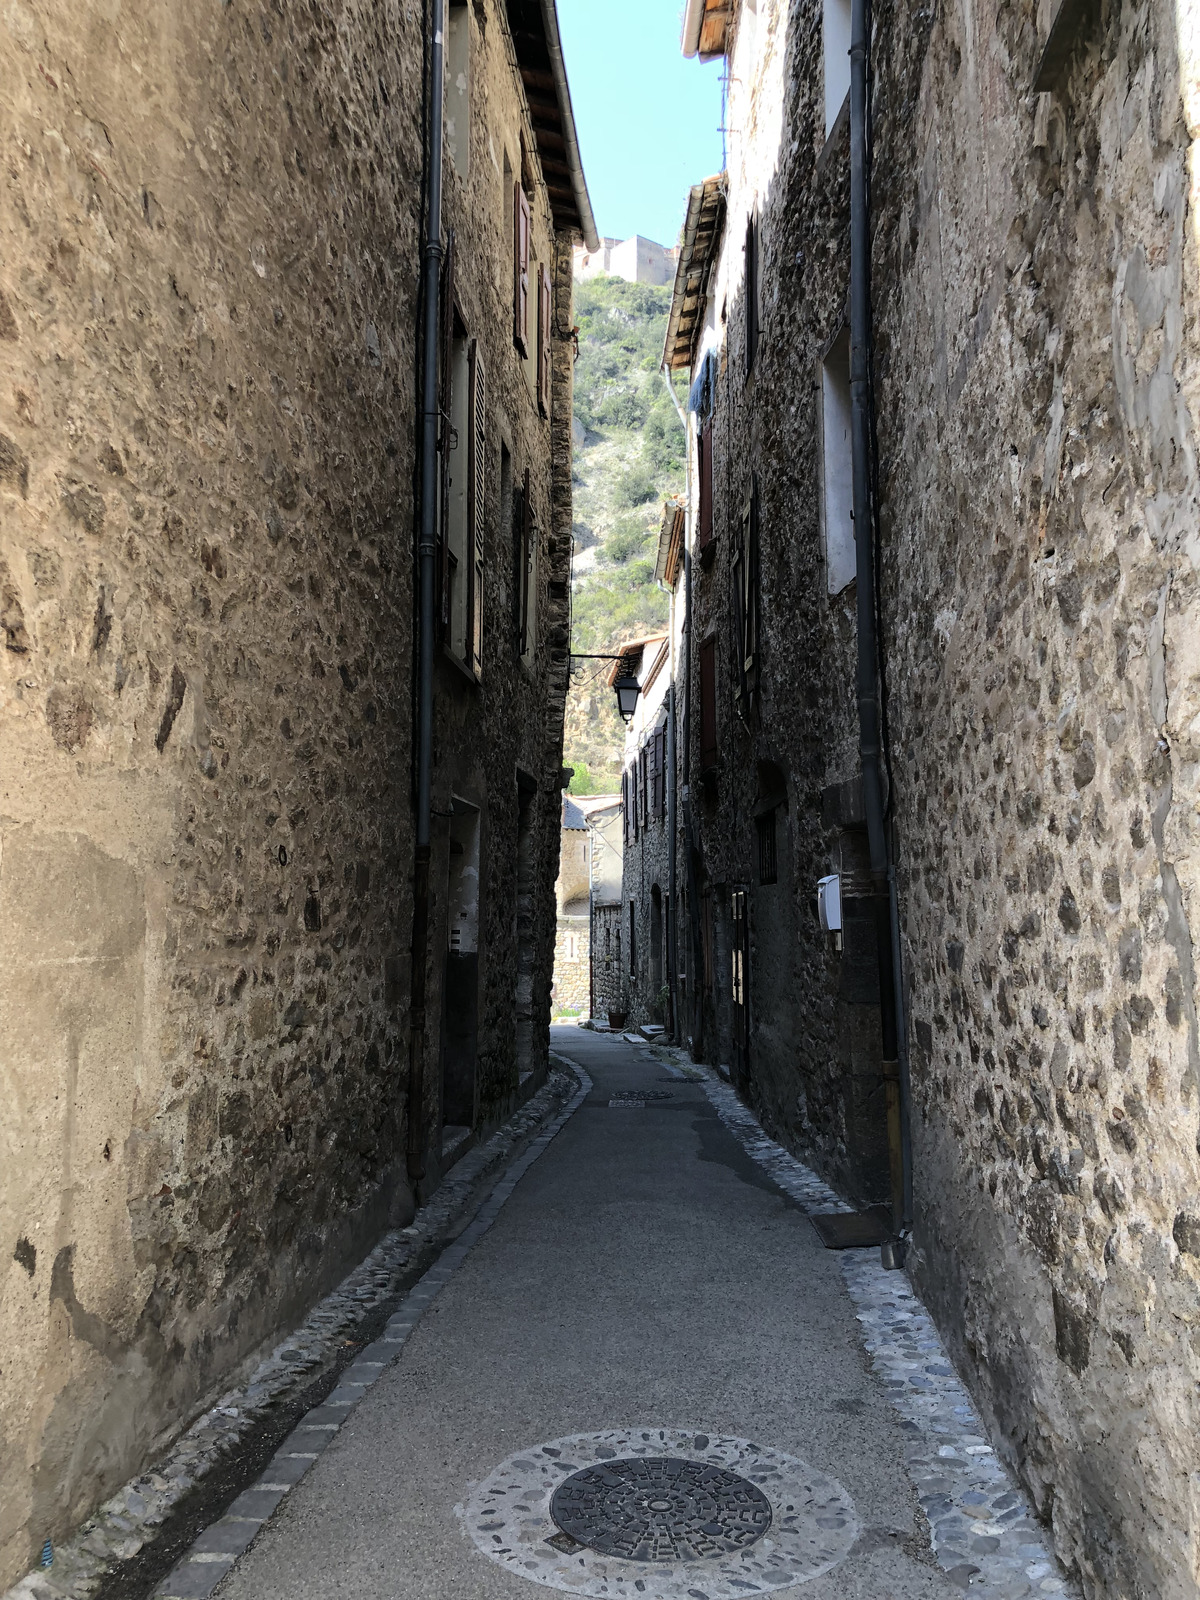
[(644, 1274)]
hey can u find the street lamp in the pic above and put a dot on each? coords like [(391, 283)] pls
[(625, 683), (628, 689)]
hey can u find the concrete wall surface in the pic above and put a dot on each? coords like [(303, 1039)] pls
[(209, 250)]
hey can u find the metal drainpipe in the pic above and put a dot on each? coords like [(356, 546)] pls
[(426, 557), (693, 912), (867, 678)]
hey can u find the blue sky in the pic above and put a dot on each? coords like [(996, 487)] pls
[(648, 121)]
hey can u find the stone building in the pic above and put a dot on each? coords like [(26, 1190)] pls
[(572, 935), (606, 824), (1028, 464), (648, 871), (636, 259), (212, 228)]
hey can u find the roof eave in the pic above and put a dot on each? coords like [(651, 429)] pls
[(583, 204)]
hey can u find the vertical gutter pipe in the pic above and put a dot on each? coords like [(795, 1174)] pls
[(867, 675), (673, 737), (431, 269)]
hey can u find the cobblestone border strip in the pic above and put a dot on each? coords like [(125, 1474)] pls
[(986, 1537), (129, 1520), (213, 1554)]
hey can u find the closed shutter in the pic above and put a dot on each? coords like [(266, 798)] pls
[(544, 341), (447, 400), (652, 806), (625, 807), (708, 705), (476, 489), (644, 768), (704, 520), (521, 225)]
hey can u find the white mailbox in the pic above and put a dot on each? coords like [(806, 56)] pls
[(829, 903)]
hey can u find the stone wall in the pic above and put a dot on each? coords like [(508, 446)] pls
[(1037, 357), (1035, 273), (788, 750), (208, 277)]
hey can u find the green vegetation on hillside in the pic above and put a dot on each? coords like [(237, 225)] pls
[(629, 460)]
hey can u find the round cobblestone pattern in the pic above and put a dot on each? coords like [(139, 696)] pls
[(661, 1508), (721, 1514)]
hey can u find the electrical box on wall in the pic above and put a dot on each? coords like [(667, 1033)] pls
[(829, 903)]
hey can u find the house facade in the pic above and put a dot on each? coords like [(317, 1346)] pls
[(218, 1093), (997, 1034)]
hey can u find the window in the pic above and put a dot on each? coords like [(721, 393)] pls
[(477, 485), (704, 480), (708, 704), (836, 37), (643, 785), (544, 315), (746, 599), (768, 865), (571, 947), (524, 561), (751, 291), (458, 52), (632, 939), (462, 481), (520, 236), (457, 555), (837, 499)]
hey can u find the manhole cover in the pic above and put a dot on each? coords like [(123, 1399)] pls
[(660, 1514), (661, 1508)]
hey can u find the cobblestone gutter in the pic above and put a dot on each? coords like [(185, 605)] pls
[(109, 1554), (984, 1532)]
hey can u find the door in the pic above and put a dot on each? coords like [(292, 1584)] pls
[(740, 986)]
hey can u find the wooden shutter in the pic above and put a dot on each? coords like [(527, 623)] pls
[(704, 519), (653, 808), (625, 807), (476, 487), (447, 399), (708, 705), (751, 291), (521, 225), (544, 341)]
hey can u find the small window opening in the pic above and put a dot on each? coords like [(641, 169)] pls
[(836, 462)]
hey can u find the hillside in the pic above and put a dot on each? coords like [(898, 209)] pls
[(628, 459)]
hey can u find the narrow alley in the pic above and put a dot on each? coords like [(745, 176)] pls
[(599, 799), (646, 1290)]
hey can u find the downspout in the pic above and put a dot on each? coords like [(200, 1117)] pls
[(426, 557), (686, 632), (867, 676)]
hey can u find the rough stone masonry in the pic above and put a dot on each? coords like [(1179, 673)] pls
[(1035, 276), (210, 237)]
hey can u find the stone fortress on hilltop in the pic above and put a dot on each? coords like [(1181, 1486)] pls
[(635, 259)]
